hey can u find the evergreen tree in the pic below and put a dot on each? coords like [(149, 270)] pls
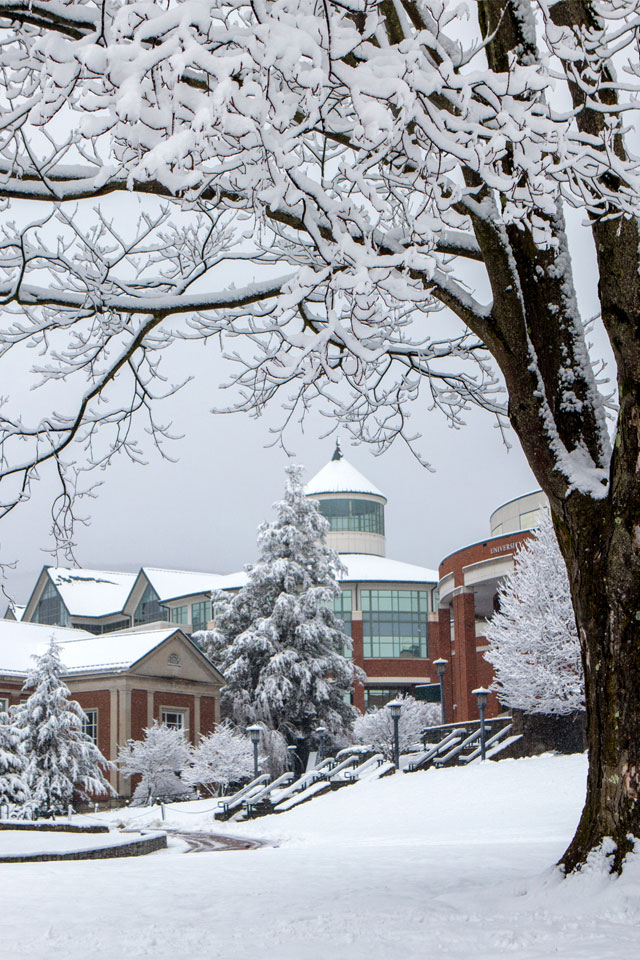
[(62, 760), (278, 642), (14, 792), (533, 640)]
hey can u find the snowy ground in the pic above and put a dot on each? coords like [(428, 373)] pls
[(444, 864)]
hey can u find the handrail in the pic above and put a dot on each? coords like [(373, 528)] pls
[(488, 743)]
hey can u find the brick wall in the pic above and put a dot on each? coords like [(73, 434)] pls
[(99, 700), (139, 713), (467, 668), (491, 549), (207, 715), (10, 690)]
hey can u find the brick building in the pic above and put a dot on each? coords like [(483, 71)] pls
[(400, 616), (123, 681), (468, 586)]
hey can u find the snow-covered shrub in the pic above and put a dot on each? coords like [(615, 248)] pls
[(376, 726), (534, 647), (61, 759), (222, 758), (158, 759), (277, 641)]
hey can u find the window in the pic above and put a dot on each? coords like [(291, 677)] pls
[(180, 614), (99, 628), (50, 608), (395, 623), (4, 704), (149, 607), (380, 696), (200, 615), (90, 725), (365, 516), (174, 719)]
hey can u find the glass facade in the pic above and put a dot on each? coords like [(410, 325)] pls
[(365, 516), (180, 615), (395, 623), (99, 628), (149, 608), (50, 608), (200, 614)]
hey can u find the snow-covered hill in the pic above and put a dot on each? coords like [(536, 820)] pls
[(444, 864)]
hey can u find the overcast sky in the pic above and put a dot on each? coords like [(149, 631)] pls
[(202, 511)]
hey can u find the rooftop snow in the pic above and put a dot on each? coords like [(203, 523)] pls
[(339, 476), (363, 566), (172, 584), (80, 651), (92, 593)]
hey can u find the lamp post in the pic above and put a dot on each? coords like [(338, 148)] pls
[(321, 733), (441, 666), (254, 732), (482, 694), (395, 709)]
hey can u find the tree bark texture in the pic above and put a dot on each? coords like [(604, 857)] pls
[(535, 335)]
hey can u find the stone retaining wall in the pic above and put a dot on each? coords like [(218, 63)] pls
[(50, 826), (137, 848)]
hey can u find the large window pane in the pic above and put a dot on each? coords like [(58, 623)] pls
[(200, 614), (395, 623), (150, 608), (362, 515), (50, 608)]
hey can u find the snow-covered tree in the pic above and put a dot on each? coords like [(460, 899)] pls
[(377, 728), (62, 760), (361, 155), (534, 647), (222, 758), (14, 791), (278, 642), (158, 759)]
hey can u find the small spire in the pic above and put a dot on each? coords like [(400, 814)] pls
[(337, 453)]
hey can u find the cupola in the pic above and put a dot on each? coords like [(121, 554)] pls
[(353, 506)]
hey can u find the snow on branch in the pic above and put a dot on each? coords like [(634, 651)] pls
[(340, 164)]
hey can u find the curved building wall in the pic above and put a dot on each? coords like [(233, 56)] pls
[(522, 513), (468, 585), (357, 522)]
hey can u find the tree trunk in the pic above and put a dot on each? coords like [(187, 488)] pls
[(602, 552)]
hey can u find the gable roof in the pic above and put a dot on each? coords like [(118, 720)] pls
[(340, 476), (91, 593), (81, 651)]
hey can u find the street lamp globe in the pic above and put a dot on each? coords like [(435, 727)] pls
[(395, 709)]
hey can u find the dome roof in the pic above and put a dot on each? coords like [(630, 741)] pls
[(339, 476)]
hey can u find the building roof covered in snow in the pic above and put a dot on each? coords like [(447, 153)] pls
[(89, 593), (340, 476), (363, 566), (175, 584), (80, 651)]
